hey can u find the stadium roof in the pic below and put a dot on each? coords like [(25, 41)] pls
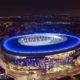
[(40, 44)]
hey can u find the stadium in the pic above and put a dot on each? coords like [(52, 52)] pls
[(41, 53), (40, 48)]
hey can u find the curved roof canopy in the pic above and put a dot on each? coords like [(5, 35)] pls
[(40, 43)]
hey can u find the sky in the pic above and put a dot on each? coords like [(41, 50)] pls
[(39, 7)]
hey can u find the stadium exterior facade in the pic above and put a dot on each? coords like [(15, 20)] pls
[(41, 53)]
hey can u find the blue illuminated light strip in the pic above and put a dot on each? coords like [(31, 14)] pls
[(13, 45)]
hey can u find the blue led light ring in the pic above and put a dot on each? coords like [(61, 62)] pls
[(12, 45)]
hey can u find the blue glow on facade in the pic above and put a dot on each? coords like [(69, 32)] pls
[(12, 45)]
